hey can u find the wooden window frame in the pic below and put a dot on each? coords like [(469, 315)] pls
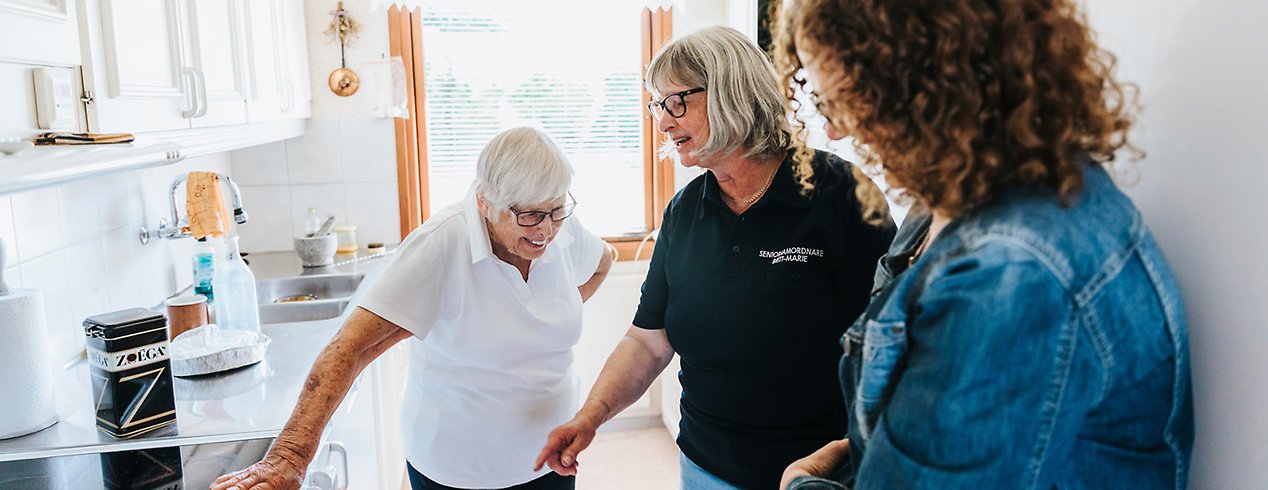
[(658, 173), (405, 35)]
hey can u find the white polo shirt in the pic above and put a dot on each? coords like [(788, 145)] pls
[(491, 362)]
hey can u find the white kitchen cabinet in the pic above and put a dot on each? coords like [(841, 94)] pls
[(218, 51), (390, 372), (298, 90), (362, 446), (134, 66), (38, 35), (39, 32), (157, 65), (279, 60)]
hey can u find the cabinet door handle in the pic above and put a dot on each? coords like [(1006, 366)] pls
[(202, 91), (340, 475), (191, 92)]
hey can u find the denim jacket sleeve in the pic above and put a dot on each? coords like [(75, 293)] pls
[(991, 380)]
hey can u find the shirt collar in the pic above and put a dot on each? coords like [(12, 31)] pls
[(906, 241), (478, 233)]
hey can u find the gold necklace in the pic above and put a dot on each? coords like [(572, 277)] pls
[(752, 199)]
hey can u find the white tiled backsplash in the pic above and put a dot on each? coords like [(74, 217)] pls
[(343, 167), (78, 243)]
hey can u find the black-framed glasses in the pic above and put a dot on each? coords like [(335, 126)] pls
[(673, 104), (534, 218)]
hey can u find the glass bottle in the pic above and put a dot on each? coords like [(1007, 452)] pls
[(312, 223), (234, 285)]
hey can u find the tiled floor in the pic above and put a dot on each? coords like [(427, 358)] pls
[(630, 460)]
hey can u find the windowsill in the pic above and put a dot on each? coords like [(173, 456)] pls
[(627, 246)]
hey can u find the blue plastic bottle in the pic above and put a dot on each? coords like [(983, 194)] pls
[(204, 268)]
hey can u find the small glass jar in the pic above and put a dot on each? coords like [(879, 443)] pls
[(347, 236)]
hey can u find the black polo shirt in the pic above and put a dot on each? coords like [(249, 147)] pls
[(755, 305)]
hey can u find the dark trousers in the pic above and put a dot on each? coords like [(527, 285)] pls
[(549, 481)]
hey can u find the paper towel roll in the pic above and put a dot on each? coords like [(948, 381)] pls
[(26, 388)]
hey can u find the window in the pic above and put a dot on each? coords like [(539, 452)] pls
[(571, 68)]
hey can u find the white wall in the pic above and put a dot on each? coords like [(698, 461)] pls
[(364, 49), (345, 167), (1203, 69), (78, 243), (345, 164)]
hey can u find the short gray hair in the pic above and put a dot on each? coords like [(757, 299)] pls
[(746, 106), (521, 166)]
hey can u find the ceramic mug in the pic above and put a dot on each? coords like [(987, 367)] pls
[(186, 312)]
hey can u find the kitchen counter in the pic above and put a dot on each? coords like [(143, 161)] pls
[(248, 403)]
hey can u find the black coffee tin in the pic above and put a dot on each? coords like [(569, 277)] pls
[(131, 372)]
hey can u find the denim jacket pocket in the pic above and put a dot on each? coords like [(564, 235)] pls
[(884, 345)]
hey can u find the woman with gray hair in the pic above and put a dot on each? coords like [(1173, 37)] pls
[(759, 267), (490, 289)]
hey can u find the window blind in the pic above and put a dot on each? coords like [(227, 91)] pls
[(570, 68)]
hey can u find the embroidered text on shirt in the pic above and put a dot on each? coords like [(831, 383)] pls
[(790, 254)]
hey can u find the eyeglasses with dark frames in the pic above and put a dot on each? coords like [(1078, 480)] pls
[(673, 104), (534, 218)]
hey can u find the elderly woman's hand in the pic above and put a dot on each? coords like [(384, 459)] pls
[(274, 472), (568, 440), (564, 444)]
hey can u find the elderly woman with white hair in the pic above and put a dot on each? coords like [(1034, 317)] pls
[(759, 267), (490, 291)]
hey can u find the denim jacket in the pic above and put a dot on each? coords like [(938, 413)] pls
[(1031, 346)]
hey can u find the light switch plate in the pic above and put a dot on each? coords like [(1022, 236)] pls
[(55, 98)]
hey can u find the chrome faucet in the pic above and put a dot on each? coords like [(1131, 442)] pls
[(178, 227)]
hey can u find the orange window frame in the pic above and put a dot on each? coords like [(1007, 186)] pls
[(405, 35)]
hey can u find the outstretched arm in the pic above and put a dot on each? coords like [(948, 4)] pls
[(640, 356), (361, 340)]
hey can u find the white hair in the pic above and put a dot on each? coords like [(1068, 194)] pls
[(746, 106), (521, 166)]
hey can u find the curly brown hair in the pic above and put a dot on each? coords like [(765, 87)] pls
[(958, 100)]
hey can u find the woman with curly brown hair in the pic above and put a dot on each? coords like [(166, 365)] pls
[(1026, 330)]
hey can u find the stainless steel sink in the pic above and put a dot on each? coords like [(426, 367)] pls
[(302, 311), (292, 291), (305, 298)]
